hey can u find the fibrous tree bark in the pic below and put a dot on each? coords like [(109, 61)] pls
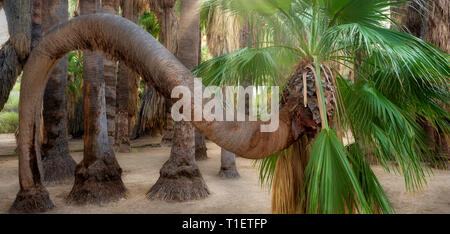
[(109, 71), (98, 175), (32, 196), (57, 163), (168, 21), (180, 178), (127, 91)]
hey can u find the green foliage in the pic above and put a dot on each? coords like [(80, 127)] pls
[(400, 79), (149, 22), (9, 122), (75, 71)]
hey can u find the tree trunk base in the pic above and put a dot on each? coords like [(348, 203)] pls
[(200, 155), (58, 169), (33, 200), (166, 141), (97, 183), (179, 184), (229, 173)]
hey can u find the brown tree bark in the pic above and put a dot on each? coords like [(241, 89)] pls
[(32, 196), (180, 178), (109, 71), (98, 175), (127, 90), (168, 21), (57, 163)]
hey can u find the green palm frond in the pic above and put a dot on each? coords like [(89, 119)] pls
[(386, 130), (331, 183), (244, 67)]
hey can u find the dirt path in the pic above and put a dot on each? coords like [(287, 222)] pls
[(244, 195)]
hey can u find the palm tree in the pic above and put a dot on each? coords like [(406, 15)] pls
[(180, 178), (109, 71), (105, 33), (57, 163), (384, 125), (399, 77), (127, 87), (98, 175)]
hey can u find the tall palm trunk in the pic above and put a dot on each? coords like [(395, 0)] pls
[(168, 21), (109, 71), (180, 178), (57, 163), (98, 176), (127, 92)]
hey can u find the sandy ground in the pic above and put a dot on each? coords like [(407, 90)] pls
[(244, 195)]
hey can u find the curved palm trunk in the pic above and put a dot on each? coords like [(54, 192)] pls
[(98, 176), (142, 53), (32, 196), (180, 178), (57, 163)]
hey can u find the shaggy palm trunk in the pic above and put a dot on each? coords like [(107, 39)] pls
[(15, 51), (288, 182), (32, 196), (180, 178), (126, 89), (151, 114), (98, 176), (57, 163), (109, 71)]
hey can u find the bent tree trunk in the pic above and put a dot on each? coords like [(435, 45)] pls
[(145, 55), (180, 178), (98, 176), (32, 196), (57, 163)]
